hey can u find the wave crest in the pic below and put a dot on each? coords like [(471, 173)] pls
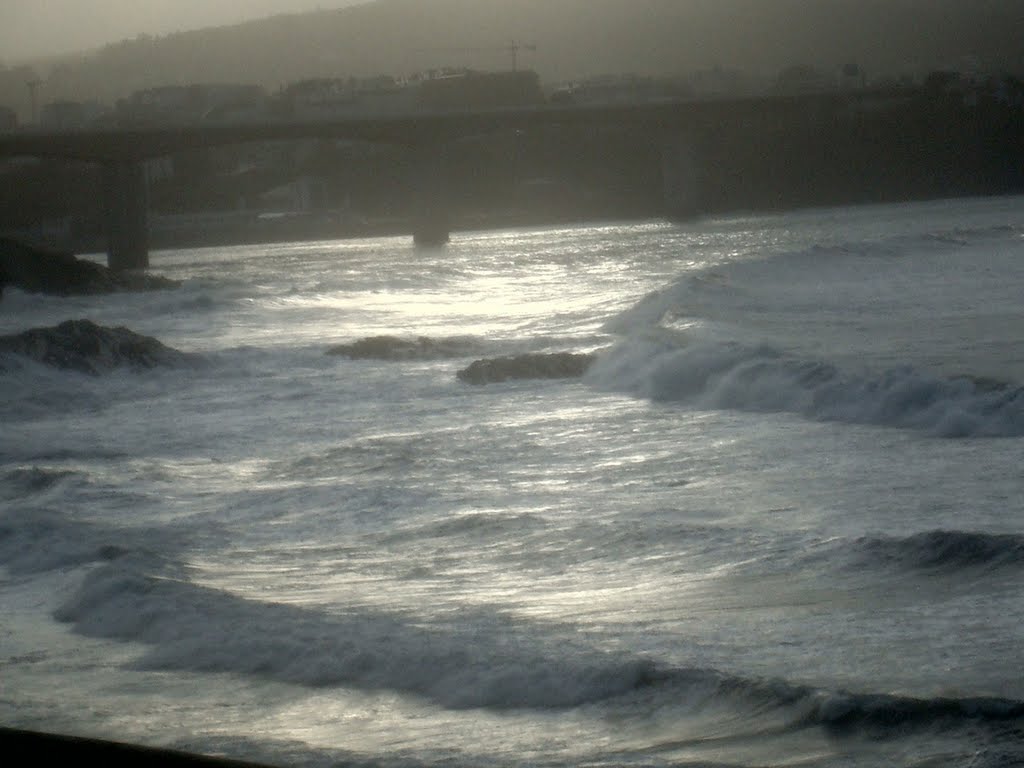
[(763, 379), (482, 660), (32, 481), (36, 541), (945, 550), (849, 711), (485, 661)]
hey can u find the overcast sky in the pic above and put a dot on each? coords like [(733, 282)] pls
[(32, 28)]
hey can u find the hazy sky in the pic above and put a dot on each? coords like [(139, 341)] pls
[(31, 28)]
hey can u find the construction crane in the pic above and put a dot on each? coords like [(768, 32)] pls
[(512, 50)]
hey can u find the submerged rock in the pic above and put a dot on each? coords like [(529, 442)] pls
[(557, 365), (81, 345), (396, 348), (35, 270), (983, 384)]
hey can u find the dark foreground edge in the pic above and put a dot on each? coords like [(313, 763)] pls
[(32, 748)]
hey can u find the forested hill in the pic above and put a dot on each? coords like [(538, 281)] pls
[(572, 39)]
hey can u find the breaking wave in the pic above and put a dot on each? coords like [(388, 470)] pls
[(31, 481), (943, 550), (482, 660), (37, 541), (763, 379)]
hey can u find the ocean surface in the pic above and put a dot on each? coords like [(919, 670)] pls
[(778, 522)]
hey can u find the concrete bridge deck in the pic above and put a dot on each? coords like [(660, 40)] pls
[(136, 142), (676, 126)]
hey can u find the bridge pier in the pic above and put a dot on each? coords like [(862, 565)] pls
[(680, 176), (431, 224), (124, 189)]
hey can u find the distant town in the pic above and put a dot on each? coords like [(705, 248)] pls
[(460, 88), (327, 188)]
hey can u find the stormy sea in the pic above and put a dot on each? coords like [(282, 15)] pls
[(771, 514)]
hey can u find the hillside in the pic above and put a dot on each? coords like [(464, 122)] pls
[(572, 39)]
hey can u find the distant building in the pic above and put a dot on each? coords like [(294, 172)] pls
[(801, 78), (622, 89), (480, 90), (8, 119), (193, 103), (975, 88), (717, 81), (327, 98), (852, 77), (1008, 90), (158, 168), (68, 115), (302, 195), (316, 98)]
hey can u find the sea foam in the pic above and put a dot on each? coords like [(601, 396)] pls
[(762, 379)]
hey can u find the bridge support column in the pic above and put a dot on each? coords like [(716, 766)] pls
[(680, 176), (431, 212), (124, 183)]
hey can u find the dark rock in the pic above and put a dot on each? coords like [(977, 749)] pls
[(431, 239), (558, 365), (66, 750), (36, 270), (983, 384), (81, 345), (395, 348)]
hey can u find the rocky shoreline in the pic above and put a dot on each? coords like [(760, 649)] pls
[(555, 365), (84, 346), (24, 747), (58, 273), (488, 370)]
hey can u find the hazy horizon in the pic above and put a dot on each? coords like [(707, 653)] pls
[(34, 29), (562, 40)]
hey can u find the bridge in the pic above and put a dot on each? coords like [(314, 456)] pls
[(680, 127)]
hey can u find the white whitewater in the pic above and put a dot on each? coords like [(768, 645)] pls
[(777, 522)]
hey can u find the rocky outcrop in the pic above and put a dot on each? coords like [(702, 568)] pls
[(557, 365), (35, 270), (396, 348), (983, 384), (81, 345), (64, 750)]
